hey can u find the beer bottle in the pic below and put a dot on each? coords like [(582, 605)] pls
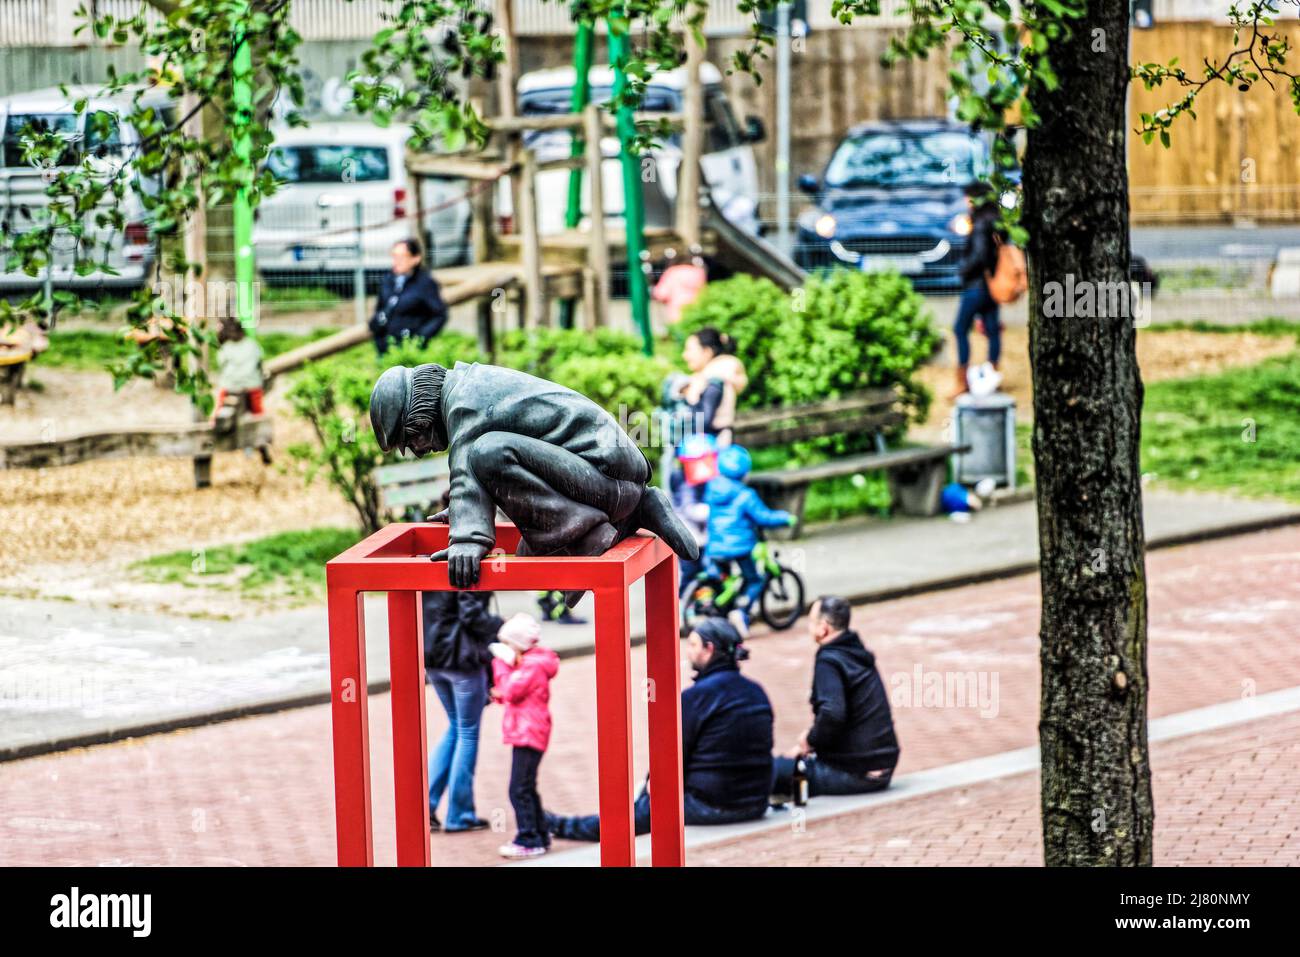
[(800, 782)]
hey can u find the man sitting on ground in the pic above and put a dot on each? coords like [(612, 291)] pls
[(851, 747), (726, 741)]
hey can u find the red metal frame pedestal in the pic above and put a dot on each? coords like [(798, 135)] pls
[(396, 560)]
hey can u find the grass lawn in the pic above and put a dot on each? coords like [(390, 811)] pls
[(1268, 326), (288, 565), (294, 298), (1219, 276), (92, 350), (1236, 431)]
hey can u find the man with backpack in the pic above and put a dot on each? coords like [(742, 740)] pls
[(978, 267)]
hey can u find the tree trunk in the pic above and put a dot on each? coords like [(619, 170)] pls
[(1096, 778)]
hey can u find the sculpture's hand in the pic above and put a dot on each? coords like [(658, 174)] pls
[(442, 518), (462, 563)]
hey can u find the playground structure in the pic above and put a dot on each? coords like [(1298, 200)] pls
[(536, 271), (577, 263), (395, 560)]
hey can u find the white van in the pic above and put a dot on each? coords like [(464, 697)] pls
[(308, 226), (727, 160), (22, 186)]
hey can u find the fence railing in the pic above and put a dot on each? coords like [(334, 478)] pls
[(25, 22)]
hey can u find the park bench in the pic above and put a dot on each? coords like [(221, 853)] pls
[(916, 474), (412, 489)]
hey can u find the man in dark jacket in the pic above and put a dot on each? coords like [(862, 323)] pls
[(557, 464), (726, 741), (410, 303), (458, 627), (980, 259), (851, 747)]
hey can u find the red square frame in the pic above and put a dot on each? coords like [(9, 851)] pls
[(395, 560)]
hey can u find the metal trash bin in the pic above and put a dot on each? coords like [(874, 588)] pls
[(988, 425)]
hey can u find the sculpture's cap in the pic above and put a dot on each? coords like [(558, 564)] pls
[(389, 401)]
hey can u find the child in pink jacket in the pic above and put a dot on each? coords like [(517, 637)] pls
[(522, 673)]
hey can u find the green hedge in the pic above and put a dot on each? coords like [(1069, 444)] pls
[(841, 332)]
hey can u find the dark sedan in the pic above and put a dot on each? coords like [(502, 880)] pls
[(891, 198)]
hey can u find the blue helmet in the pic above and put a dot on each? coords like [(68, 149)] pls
[(734, 462), (697, 445)]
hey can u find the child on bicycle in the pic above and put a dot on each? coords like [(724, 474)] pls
[(736, 513)]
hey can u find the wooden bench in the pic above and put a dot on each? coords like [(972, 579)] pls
[(916, 474), (413, 488), (198, 440)]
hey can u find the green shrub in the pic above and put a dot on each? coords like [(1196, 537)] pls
[(756, 313), (627, 386), (841, 332), (540, 352), (882, 325)]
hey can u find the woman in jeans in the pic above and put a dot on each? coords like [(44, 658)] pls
[(458, 627), (981, 258)]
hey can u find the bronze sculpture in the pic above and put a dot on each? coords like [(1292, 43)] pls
[(558, 465)]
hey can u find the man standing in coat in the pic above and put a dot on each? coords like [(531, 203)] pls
[(851, 747), (410, 303), (726, 741)]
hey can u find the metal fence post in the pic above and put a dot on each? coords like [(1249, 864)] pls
[(359, 269)]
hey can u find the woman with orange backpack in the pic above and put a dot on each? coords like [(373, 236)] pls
[(980, 267)]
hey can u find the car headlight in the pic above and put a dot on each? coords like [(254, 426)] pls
[(960, 224), (814, 220)]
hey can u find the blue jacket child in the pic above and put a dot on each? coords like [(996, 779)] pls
[(736, 513)]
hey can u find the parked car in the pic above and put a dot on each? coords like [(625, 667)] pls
[(892, 197), (130, 252), (727, 158), (308, 228)]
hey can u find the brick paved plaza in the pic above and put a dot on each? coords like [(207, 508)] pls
[(1225, 625)]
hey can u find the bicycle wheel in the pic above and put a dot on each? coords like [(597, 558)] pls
[(700, 602), (781, 603)]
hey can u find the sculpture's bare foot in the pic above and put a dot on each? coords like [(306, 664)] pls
[(596, 542)]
